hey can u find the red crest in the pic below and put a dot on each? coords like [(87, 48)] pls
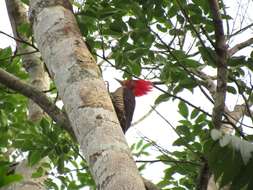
[(142, 87)]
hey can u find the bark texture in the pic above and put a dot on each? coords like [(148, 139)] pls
[(38, 77), (84, 95), (221, 62), (221, 88), (37, 74)]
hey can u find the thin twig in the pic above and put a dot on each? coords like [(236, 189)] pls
[(18, 54), (174, 129), (241, 30), (19, 40), (143, 117), (160, 89), (192, 27), (240, 46)]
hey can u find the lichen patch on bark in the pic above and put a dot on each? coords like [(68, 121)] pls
[(95, 97)]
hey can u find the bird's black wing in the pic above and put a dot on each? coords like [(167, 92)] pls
[(124, 103), (129, 102)]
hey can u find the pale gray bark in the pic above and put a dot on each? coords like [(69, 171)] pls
[(240, 46), (221, 63), (37, 74), (84, 95), (38, 77)]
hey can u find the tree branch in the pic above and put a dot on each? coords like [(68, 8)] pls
[(221, 50), (203, 177), (207, 81), (32, 63), (38, 97), (239, 46)]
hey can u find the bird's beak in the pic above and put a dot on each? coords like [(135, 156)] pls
[(120, 81)]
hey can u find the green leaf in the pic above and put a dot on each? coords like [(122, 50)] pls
[(142, 167), (5, 54), (196, 19), (183, 109), (244, 147), (25, 29), (230, 169), (208, 55), (162, 98), (194, 9), (7, 180), (38, 173), (107, 12), (183, 130), (191, 63), (34, 157), (60, 165), (161, 28), (180, 142), (26, 2), (45, 124), (172, 11), (175, 31), (50, 184), (136, 69), (194, 113), (215, 159), (237, 61), (200, 118), (3, 119), (118, 26), (243, 177), (231, 89), (139, 144)]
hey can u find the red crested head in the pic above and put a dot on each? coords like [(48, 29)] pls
[(139, 87)]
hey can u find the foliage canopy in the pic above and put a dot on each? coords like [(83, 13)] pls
[(172, 43)]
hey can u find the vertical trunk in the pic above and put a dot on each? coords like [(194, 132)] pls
[(221, 63), (39, 78), (84, 95), (37, 75)]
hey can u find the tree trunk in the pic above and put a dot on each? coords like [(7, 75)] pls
[(38, 77), (84, 95), (37, 74)]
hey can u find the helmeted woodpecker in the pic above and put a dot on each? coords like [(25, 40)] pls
[(123, 99)]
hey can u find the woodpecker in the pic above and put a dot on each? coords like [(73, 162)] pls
[(123, 99)]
